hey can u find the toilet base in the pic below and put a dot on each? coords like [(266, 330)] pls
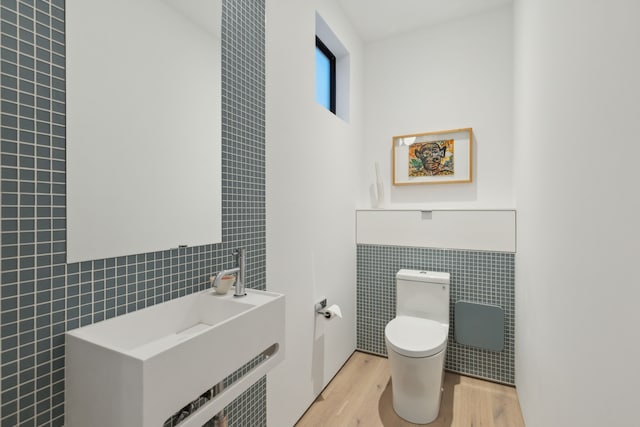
[(416, 386)]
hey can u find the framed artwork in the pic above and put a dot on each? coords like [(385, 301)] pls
[(442, 157)]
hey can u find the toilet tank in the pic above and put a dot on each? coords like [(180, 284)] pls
[(423, 294)]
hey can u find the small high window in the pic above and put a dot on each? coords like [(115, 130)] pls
[(325, 76), (332, 71)]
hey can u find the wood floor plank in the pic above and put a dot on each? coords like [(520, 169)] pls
[(360, 396)]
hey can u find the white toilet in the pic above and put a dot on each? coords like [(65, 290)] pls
[(416, 343)]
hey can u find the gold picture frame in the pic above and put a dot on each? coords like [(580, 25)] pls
[(442, 157)]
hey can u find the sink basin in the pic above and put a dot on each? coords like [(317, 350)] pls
[(142, 367)]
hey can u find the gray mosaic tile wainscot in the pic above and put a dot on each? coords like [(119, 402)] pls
[(483, 277), (41, 295)]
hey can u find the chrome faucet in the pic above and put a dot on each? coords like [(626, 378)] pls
[(239, 271)]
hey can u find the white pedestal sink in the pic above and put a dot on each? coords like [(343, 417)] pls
[(140, 368)]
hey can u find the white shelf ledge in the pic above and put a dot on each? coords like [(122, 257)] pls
[(471, 229)]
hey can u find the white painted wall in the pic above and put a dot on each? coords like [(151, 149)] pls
[(577, 91), (453, 75), (312, 183)]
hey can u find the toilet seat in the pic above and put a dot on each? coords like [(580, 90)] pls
[(416, 337)]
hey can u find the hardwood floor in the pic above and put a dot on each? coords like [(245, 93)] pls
[(360, 395)]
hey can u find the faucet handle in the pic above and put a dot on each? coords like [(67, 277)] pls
[(240, 254)]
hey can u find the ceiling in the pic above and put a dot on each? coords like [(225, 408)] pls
[(380, 19)]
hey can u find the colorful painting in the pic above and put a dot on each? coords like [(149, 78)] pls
[(433, 158), (428, 158)]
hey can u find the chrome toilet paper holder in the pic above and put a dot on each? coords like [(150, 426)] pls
[(321, 308)]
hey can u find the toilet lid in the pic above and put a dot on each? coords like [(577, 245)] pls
[(416, 337)]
